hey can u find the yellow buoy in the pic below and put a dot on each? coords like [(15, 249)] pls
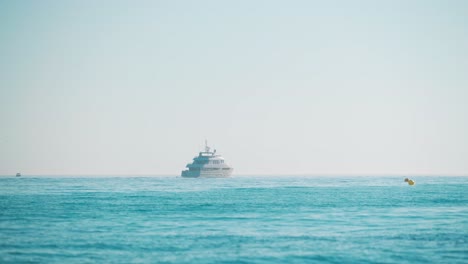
[(410, 182)]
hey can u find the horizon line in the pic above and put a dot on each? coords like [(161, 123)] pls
[(243, 175)]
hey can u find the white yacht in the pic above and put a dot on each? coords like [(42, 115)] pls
[(207, 164)]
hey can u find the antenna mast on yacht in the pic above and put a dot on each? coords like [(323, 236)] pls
[(207, 149)]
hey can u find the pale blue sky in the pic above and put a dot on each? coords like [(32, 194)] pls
[(277, 87)]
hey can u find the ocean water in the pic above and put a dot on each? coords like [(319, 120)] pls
[(235, 220)]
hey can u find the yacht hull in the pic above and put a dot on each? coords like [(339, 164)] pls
[(207, 174)]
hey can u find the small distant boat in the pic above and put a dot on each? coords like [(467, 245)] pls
[(18, 174)]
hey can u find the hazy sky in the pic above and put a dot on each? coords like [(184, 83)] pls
[(277, 87)]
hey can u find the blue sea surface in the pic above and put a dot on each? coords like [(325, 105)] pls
[(235, 220)]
